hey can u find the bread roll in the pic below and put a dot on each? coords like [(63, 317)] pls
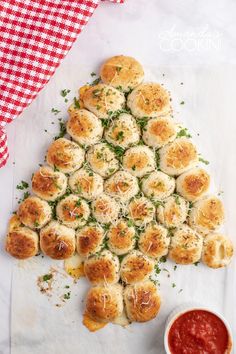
[(102, 268), (186, 246), (217, 250), (57, 241), (34, 212), (65, 155), (142, 301), (149, 100), (122, 71), (48, 184), (104, 304)]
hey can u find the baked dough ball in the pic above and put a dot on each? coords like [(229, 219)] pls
[(73, 211), (149, 100), (102, 160), (158, 185), (21, 242), (123, 131), (102, 269), (207, 214), (139, 160), (122, 72), (84, 127), (186, 246), (141, 211), (65, 155), (57, 241), (105, 209), (122, 185), (173, 211), (154, 241), (34, 212), (121, 237), (48, 184), (89, 239), (193, 184), (178, 156), (159, 131), (142, 301), (217, 250), (102, 99), (136, 267), (103, 303), (86, 183)]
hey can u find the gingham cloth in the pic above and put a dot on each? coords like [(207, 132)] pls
[(35, 35)]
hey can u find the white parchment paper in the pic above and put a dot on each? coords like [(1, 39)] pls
[(37, 325)]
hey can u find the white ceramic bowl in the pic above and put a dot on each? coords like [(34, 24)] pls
[(180, 310)]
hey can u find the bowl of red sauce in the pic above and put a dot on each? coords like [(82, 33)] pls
[(197, 330)]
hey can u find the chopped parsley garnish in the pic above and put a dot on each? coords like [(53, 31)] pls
[(173, 285), (120, 136), (93, 74), (64, 92), (196, 263), (184, 132), (22, 185), (142, 122), (95, 82), (55, 111), (76, 103), (62, 132), (47, 277), (182, 102), (67, 296), (157, 269), (162, 259), (105, 122), (204, 161)]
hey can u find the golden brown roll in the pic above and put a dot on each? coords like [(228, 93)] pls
[(84, 127), (122, 72), (154, 241), (158, 185), (34, 212), (89, 239), (178, 156), (185, 246), (142, 301), (48, 184), (159, 131), (73, 211), (207, 214), (121, 237), (149, 100), (102, 268), (57, 241), (122, 186), (173, 211), (104, 304), (102, 99), (141, 211), (105, 209), (136, 267), (123, 131), (193, 184), (139, 160), (86, 183), (21, 242), (217, 250), (65, 155), (102, 160)]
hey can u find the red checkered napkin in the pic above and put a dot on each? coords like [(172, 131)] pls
[(35, 35)]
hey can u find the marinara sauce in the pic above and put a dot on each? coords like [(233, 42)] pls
[(198, 332)]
